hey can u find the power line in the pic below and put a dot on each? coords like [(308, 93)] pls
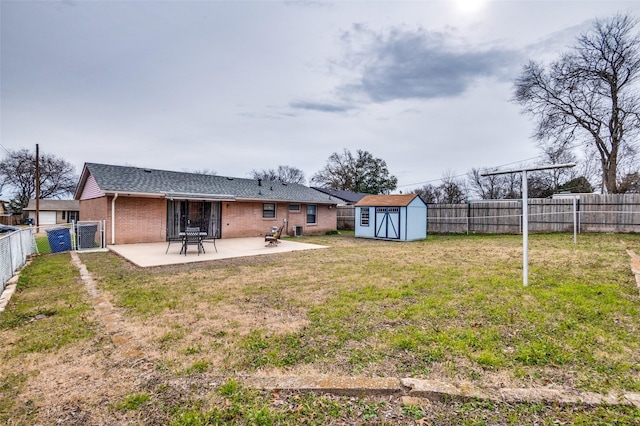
[(576, 145), (5, 149), (464, 174)]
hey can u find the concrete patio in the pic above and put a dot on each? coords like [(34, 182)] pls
[(153, 254)]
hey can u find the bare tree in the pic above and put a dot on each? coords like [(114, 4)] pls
[(203, 172), (486, 187), (494, 187), (430, 194), (360, 173), (18, 171), (590, 94), (452, 190), (285, 174)]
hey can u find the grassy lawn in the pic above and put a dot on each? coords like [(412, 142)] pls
[(449, 308)]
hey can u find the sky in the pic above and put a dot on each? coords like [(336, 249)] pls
[(235, 86)]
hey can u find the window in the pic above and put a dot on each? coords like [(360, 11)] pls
[(294, 207), (364, 216), (311, 213), (269, 210), (64, 215)]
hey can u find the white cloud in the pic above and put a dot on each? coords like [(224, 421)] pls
[(236, 86)]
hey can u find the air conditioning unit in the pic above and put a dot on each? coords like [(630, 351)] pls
[(297, 231)]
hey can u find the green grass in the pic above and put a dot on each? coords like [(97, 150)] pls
[(578, 314), (48, 312), (133, 402), (449, 308), (451, 304)]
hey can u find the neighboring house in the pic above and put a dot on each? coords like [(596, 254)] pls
[(54, 212), (345, 217), (348, 197), (6, 217), (391, 217), (147, 205)]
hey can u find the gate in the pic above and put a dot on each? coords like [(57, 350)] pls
[(388, 222)]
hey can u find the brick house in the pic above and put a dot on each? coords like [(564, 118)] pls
[(147, 205)]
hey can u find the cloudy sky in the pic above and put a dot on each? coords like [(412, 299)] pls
[(232, 86)]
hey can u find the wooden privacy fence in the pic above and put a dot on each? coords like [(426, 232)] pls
[(593, 213), (346, 218)]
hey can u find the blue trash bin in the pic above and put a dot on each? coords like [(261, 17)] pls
[(59, 239)]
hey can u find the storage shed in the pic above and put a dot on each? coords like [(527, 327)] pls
[(392, 217)]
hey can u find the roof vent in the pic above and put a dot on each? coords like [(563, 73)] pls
[(271, 188), (229, 178), (259, 182), (147, 170)]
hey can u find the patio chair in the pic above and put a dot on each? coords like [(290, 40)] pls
[(192, 237), (173, 240), (208, 239), (273, 237)]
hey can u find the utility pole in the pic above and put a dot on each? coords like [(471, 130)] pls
[(37, 187)]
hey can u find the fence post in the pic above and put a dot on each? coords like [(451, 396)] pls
[(468, 216), (575, 222)]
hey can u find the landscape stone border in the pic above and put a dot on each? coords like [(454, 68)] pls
[(422, 392)]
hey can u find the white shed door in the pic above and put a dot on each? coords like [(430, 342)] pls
[(388, 222), (47, 218)]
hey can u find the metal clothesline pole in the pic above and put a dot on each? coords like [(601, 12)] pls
[(525, 209)]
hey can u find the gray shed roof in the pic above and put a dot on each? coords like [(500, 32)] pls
[(181, 185)]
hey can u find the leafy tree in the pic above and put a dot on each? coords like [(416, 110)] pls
[(359, 173), (579, 185), (590, 94), (285, 174), (18, 171), (630, 183)]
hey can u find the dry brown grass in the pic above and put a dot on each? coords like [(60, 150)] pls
[(361, 307)]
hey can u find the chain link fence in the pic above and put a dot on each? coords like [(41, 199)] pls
[(15, 247)]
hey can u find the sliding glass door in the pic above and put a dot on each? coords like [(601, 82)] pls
[(194, 214)]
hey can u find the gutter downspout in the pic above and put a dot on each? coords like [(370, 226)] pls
[(113, 219)]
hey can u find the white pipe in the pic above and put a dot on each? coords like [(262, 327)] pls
[(525, 229), (113, 219)]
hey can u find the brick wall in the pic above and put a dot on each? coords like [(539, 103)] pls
[(144, 220), (241, 219), (140, 220), (96, 209)]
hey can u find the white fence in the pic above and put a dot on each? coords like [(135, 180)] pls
[(15, 247)]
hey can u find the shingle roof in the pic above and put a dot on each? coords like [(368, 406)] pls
[(348, 196), (395, 200), (135, 180), (57, 205)]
